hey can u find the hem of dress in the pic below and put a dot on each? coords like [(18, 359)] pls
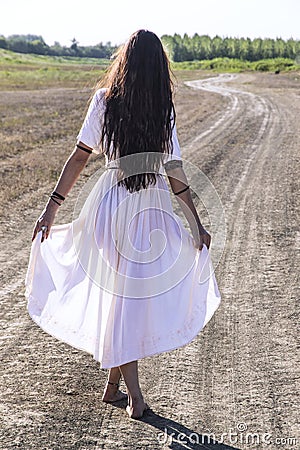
[(169, 349), (157, 352), (126, 360)]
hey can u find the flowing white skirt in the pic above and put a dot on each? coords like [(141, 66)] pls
[(123, 281)]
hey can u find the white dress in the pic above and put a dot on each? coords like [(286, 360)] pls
[(124, 280)]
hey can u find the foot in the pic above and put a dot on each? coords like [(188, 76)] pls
[(112, 394), (137, 409)]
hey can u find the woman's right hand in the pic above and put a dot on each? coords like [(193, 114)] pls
[(46, 219)]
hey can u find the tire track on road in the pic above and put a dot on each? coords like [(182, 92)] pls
[(232, 123)]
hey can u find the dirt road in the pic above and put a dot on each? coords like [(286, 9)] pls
[(240, 374)]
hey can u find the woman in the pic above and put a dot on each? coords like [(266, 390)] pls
[(125, 280)]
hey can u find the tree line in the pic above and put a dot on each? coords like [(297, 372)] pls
[(31, 43), (204, 48), (179, 48)]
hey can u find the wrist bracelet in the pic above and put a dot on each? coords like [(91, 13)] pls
[(54, 200), (57, 195)]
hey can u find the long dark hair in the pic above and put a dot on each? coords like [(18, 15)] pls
[(140, 113)]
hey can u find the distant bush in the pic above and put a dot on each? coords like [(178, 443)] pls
[(3, 43), (237, 65), (273, 65)]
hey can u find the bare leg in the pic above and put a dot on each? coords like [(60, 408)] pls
[(136, 405), (112, 392)]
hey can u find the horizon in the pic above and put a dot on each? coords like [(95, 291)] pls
[(119, 44)]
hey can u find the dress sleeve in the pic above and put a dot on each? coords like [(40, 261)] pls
[(90, 132), (173, 160)]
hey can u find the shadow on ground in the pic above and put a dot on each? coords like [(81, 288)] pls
[(176, 435)]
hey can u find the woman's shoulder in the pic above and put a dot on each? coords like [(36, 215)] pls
[(100, 93), (99, 100)]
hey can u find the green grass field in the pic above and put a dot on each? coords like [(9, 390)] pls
[(27, 71)]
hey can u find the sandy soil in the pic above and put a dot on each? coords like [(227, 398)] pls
[(240, 374)]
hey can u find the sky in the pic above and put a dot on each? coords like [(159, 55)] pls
[(93, 21)]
